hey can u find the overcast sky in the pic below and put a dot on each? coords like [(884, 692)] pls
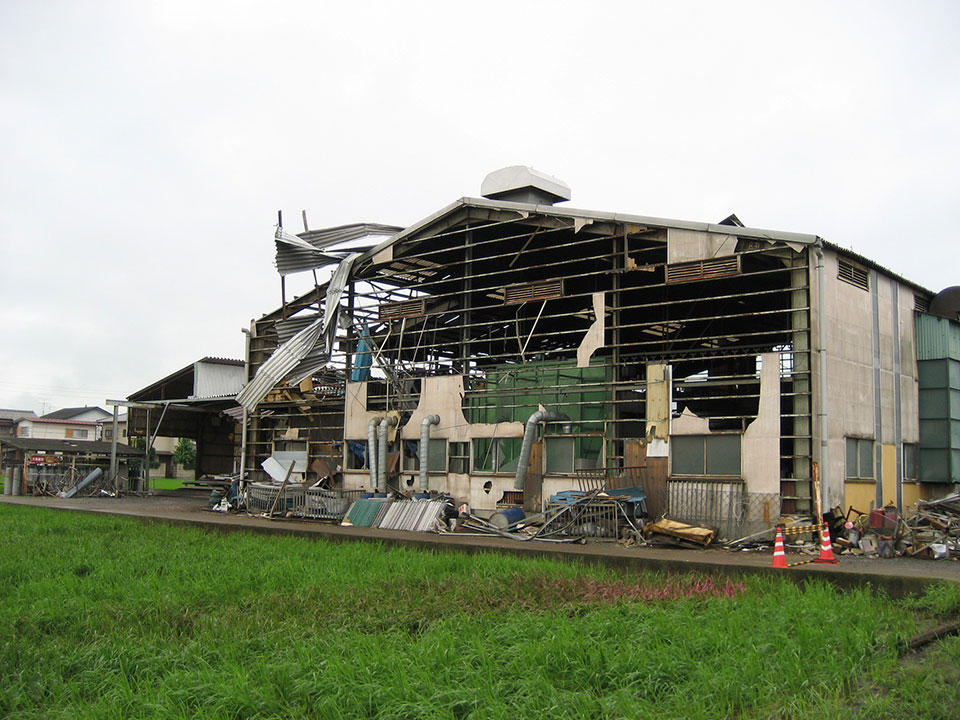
[(145, 147)]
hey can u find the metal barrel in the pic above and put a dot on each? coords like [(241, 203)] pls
[(506, 517)]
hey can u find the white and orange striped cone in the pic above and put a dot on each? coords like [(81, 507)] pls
[(779, 557), (826, 548)]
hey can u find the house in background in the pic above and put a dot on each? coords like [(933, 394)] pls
[(10, 418), (504, 348), (78, 423), (78, 413)]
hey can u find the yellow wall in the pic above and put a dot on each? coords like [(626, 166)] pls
[(861, 495), (888, 454), (911, 494)]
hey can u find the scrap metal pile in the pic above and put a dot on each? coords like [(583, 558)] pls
[(934, 529), (930, 531), (570, 516)]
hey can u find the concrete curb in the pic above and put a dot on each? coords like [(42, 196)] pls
[(615, 556)]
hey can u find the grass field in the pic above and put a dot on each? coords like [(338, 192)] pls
[(105, 617), (166, 483)]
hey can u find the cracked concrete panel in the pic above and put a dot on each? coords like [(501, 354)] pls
[(593, 340), (689, 423), (443, 396), (355, 414), (690, 245), (761, 441), (658, 401)]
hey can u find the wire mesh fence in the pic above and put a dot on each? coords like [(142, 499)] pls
[(725, 506), (332, 504)]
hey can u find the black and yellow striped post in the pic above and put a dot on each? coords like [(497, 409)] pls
[(803, 529)]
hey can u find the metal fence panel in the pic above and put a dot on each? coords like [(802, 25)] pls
[(725, 506)]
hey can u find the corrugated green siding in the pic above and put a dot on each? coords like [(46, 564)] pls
[(513, 392), (939, 410), (937, 338)]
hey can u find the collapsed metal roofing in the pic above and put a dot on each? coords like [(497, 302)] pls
[(317, 248)]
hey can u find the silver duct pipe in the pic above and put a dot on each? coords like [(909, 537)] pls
[(529, 435), (425, 450), (382, 452), (372, 451)]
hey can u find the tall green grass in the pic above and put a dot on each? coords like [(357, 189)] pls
[(111, 618)]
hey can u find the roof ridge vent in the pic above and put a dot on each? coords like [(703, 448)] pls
[(519, 183)]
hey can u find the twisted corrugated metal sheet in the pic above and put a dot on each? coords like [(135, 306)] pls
[(285, 363), (297, 253)]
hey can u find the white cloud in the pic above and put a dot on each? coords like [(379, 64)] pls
[(147, 146)]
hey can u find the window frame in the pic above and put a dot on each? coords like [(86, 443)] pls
[(915, 451), (705, 464), (496, 455), (860, 443), (410, 463), (462, 455)]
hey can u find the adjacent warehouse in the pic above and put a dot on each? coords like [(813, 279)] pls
[(506, 348)]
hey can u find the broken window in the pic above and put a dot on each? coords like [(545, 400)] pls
[(437, 457), (357, 455), (859, 459), (711, 455), (499, 455), (459, 457), (910, 464), (560, 455)]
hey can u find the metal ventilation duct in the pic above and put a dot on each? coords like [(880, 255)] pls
[(519, 183), (946, 303)]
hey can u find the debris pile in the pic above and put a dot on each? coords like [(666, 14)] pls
[(931, 531), (934, 529)]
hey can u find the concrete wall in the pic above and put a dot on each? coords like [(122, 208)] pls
[(866, 330)]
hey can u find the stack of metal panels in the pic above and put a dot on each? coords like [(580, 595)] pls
[(414, 515), (367, 512)]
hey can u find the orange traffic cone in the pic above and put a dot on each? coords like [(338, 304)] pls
[(826, 548), (779, 557)]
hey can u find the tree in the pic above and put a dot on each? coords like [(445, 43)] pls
[(185, 453)]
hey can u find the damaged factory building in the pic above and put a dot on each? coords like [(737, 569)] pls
[(507, 348)]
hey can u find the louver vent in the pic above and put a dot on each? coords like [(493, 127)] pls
[(854, 275), (407, 308), (920, 303), (533, 291), (703, 270)]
